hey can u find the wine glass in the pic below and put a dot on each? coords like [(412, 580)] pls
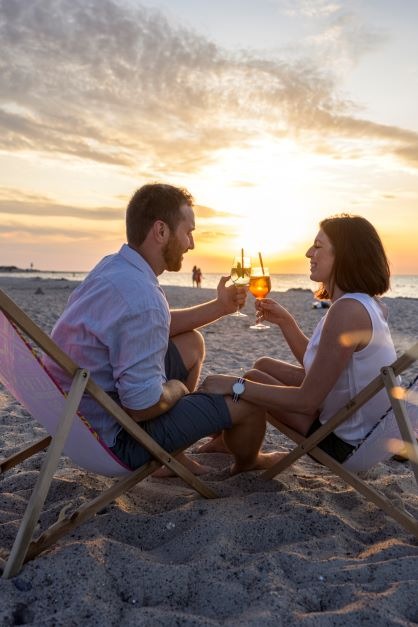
[(260, 286), (240, 275)]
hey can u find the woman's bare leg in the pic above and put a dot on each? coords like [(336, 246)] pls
[(266, 370), (283, 372), (299, 422)]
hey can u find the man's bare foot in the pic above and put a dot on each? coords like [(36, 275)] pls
[(263, 461), (215, 445), (194, 467)]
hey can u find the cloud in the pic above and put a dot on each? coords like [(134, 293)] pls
[(210, 237), (21, 232), (25, 132), (311, 8), (409, 154), (243, 183), (14, 202), (118, 84), (345, 39), (207, 212)]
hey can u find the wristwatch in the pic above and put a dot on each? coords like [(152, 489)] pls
[(238, 388)]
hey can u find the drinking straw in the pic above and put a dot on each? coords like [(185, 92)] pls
[(242, 262), (261, 262)]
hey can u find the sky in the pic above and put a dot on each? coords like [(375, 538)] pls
[(274, 114)]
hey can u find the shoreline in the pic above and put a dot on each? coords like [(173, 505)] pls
[(403, 286)]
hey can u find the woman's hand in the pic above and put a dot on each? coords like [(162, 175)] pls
[(270, 310), (218, 384)]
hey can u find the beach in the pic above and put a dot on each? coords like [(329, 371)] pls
[(304, 549)]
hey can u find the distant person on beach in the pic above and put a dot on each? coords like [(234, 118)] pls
[(349, 346), (198, 277), (194, 276), (118, 325)]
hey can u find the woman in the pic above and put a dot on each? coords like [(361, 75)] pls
[(347, 349)]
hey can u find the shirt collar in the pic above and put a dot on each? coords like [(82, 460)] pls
[(137, 260)]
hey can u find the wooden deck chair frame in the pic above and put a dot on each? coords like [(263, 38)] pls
[(25, 547), (386, 379)]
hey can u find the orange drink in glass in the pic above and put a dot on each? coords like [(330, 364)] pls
[(259, 286)]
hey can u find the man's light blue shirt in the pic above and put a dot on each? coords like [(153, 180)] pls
[(116, 324)]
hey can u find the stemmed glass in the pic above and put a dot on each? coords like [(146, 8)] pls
[(240, 275), (260, 286)]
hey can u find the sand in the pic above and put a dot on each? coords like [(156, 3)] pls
[(305, 549)]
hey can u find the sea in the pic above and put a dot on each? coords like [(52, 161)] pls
[(402, 286)]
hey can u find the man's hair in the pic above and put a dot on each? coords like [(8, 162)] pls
[(152, 202), (360, 263)]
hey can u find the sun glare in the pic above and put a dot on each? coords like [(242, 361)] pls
[(263, 189)]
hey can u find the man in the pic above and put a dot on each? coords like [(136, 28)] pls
[(118, 325)]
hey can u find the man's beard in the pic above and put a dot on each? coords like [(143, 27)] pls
[(173, 253)]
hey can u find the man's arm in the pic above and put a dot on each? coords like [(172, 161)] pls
[(173, 390), (226, 302)]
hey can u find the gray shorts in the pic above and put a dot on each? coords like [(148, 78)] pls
[(193, 417)]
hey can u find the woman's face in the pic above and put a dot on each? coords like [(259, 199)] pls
[(321, 255)]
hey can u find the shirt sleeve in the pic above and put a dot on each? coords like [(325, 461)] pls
[(137, 353)]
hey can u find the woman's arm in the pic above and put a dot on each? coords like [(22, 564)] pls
[(347, 327), (293, 334)]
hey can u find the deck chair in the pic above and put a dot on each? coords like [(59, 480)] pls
[(25, 377), (393, 432)]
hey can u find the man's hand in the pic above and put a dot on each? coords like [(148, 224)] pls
[(226, 302), (173, 390), (230, 297)]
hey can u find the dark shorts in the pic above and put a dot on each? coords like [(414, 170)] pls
[(332, 444), (193, 417), (174, 364)]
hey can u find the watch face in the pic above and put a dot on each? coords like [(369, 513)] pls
[(238, 388)]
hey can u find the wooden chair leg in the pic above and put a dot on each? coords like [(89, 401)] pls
[(70, 521), (402, 419), (40, 491), (25, 453), (304, 445), (404, 518)]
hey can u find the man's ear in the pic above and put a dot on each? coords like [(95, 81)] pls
[(160, 230)]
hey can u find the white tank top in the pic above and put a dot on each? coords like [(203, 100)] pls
[(364, 366)]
